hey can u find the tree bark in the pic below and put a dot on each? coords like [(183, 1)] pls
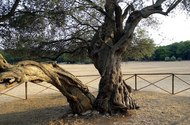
[(77, 94), (114, 93), (105, 50)]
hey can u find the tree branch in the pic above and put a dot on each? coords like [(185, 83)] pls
[(11, 12), (126, 11), (136, 17), (159, 2), (61, 40), (98, 20), (58, 54), (100, 9), (147, 11), (130, 25), (152, 1), (70, 52), (118, 17), (156, 8), (118, 22), (174, 4), (81, 23)]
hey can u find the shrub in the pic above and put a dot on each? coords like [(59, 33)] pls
[(173, 58), (179, 59), (167, 59)]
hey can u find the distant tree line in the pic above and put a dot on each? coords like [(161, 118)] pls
[(142, 49), (176, 51), (145, 50)]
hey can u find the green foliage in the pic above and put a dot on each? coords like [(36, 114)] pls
[(70, 58), (145, 50), (160, 53), (47, 27), (179, 59), (167, 58), (10, 58), (180, 50), (173, 58), (141, 48)]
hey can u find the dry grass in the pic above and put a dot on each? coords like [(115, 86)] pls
[(49, 108)]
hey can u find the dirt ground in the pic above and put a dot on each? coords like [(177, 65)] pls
[(48, 107), (156, 109)]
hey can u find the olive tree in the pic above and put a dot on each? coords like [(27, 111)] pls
[(102, 28)]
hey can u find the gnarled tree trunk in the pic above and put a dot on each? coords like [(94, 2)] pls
[(106, 49), (114, 93), (77, 94), (113, 96)]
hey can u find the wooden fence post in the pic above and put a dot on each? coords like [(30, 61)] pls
[(173, 91), (135, 82), (26, 90)]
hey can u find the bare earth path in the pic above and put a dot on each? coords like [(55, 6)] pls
[(49, 106)]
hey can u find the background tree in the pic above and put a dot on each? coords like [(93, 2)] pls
[(178, 50), (103, 28), (142, 47), (160, 53)]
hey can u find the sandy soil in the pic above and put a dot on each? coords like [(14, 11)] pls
[(130, 67), (156, 109), (48, 106)]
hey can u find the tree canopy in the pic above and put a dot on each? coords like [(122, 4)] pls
[(141, 48), (49, 28)]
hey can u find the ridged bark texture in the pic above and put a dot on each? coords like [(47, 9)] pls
[(77, 94), (114, 93)]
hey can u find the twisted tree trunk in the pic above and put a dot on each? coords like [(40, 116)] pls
[(77, 94), (106, 49), (114, 93)]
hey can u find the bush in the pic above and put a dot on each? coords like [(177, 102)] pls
[(173, 58), (179, 59), (167, 59)]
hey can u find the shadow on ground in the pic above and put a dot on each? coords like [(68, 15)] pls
[(31, 117)]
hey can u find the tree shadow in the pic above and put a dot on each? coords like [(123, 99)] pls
[(36, 116)]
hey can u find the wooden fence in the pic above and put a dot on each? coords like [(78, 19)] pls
[(135, 81), (172, 76)]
